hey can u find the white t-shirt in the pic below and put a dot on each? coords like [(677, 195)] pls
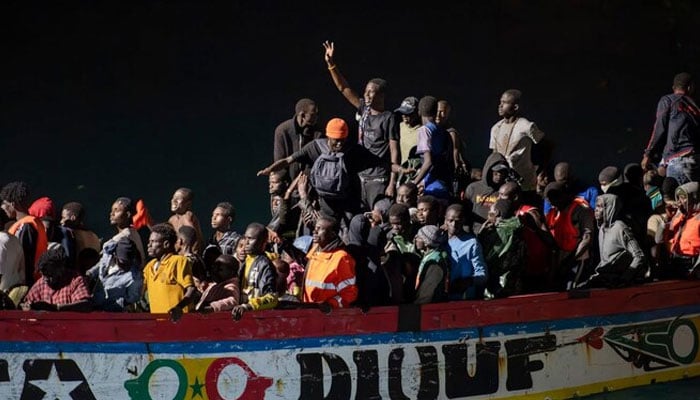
[(11, 261)]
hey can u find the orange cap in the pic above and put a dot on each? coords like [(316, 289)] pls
[(337, 129)]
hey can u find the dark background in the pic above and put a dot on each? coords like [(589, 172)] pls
[(107, 99)]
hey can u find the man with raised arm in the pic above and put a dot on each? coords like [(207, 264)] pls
[(378, 131)]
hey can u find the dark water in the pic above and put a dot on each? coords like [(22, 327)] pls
[(106, 99), (688, 389)]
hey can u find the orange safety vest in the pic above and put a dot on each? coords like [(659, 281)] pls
[(565, 233), (686, 240), (330, 278), (42, 241)]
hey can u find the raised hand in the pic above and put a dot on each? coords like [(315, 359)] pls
[(328, 45)]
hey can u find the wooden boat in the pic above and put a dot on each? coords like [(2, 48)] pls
[(545, 346)]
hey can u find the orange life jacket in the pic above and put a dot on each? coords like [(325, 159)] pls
[(686, 240), (330, 278), (560, 225), (42, 241)]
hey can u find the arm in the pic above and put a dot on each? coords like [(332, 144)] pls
[(276, 166), (427, 163), (347, 286), (457, 151), (586, 225), (176, 312), (659, 133), (338, 79), (395, 153)]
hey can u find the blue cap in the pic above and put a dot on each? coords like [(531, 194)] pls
[(303, 243)]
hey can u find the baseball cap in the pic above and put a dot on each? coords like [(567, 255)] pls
[(408, 106)]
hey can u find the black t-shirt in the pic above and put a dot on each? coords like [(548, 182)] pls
[(377, 131)]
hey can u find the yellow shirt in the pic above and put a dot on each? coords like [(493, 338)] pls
[(166, 286)]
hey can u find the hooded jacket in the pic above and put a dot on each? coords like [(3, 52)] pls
[(483, 193), (684, 230), (619, 251)]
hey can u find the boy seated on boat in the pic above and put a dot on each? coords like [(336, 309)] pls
[(622, 260), (258, 276), (117, 277), (221, 291), (60, 288)]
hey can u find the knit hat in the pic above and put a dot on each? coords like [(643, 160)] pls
[(337, 129), (432, 236), (609, 174), (42, 208)]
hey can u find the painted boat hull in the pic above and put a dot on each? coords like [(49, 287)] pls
[(552, 345)]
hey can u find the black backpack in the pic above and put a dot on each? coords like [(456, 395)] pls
[(328, 175)]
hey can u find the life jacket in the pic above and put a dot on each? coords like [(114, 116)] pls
[(538, 253), (42, 241), (328, 281), (686, 241), (559, 222)]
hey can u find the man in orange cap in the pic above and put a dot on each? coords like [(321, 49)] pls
[(334, 175)]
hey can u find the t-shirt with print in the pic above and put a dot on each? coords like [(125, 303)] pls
[(375, 133)]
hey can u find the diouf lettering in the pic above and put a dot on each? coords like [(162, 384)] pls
[(484, 378)]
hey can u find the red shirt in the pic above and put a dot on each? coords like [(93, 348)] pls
[(73, 292)]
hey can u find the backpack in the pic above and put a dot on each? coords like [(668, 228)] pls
[(329, 176)]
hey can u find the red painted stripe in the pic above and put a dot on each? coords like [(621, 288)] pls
[(277, 324)]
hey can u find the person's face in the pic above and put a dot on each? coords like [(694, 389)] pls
[(398, 225), (55, 276), (670, 207), (507, 106), (275, 184), (404, 195), (425, 214), (68, 218), (506, 192), (454, 222), (336, 145), (599, 212), (683, 203), (323, 233), (254, 241), (220, 220), (561, 174), (542, 180), (179, 204), (179, 244), (221, 270), (493, 216), (372, 95), (309, 116), (157, 245), (498, 177), (443, 113), (419, 243), (119, 216), (240, 250), (9, 209)]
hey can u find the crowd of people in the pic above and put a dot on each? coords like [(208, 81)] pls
[(388, 213)]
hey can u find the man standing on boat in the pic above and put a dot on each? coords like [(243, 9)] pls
[(676, 132), (514, 137), (378, 132)]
